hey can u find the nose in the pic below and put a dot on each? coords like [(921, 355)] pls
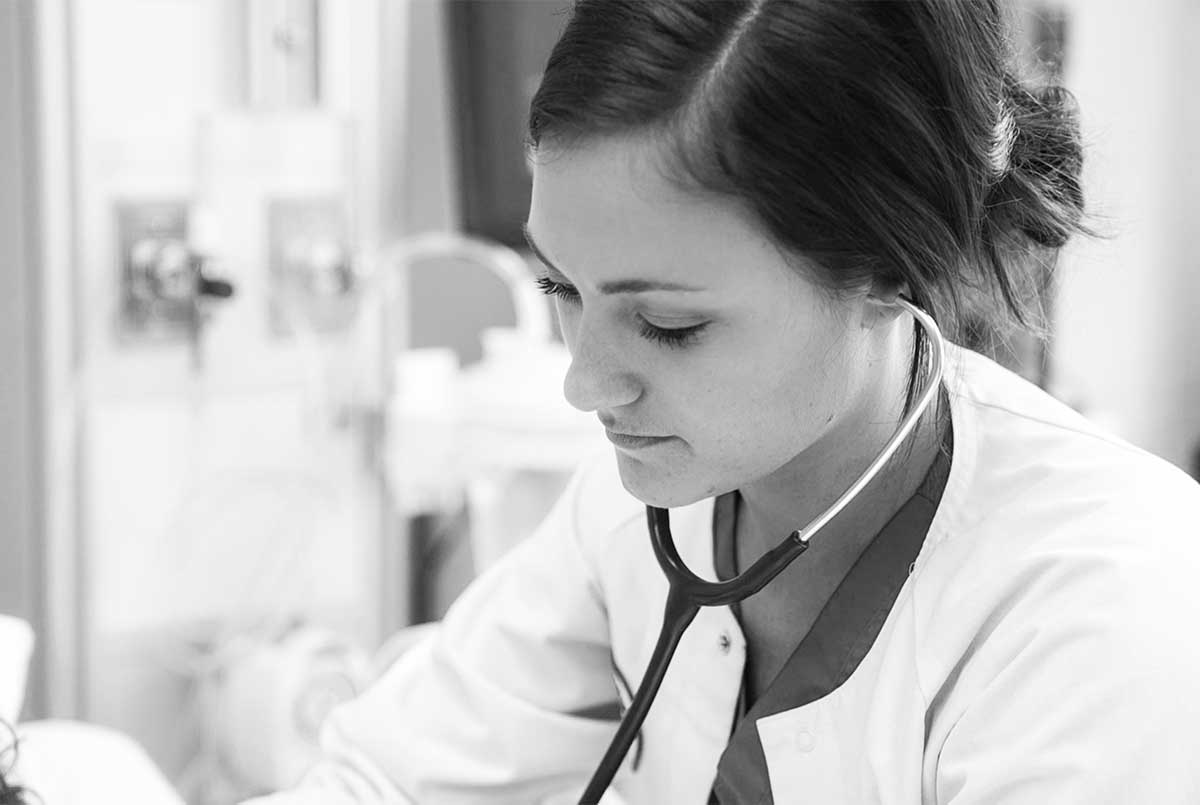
[(598, 378)]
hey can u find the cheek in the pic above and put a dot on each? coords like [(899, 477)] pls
[(744, 412), (770, 402)]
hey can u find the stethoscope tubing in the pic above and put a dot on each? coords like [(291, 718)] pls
[(687, 592)]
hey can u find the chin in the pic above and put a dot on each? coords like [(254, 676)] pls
[(653, 487)]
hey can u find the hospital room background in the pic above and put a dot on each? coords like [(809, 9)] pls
[(276, 383)]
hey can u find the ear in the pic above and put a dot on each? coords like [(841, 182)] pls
[(881, 307)]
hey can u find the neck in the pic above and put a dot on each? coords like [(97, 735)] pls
[(795, 494)]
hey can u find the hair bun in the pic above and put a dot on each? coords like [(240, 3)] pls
[(1039, 190)]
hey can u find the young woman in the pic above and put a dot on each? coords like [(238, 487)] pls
[(730, 200)]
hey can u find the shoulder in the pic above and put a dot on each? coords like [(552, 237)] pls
[(1055, 536), (1030, 460)]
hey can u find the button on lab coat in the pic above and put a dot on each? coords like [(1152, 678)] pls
[(1044, 648)]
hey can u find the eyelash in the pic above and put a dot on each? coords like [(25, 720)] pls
[(670, 337)]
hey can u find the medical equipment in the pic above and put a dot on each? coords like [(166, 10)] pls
[(687, 592), (498, 432)]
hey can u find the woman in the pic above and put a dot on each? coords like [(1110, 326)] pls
[(728, 199)]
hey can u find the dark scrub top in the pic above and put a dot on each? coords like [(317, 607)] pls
[(839, 638)]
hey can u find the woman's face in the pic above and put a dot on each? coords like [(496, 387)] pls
[(685, 323)]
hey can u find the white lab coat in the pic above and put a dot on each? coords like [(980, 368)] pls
[(1044, 649)]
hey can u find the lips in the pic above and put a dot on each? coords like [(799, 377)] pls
[(631, 442), (610, 425)]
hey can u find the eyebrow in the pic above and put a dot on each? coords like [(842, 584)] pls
[(613, 286)]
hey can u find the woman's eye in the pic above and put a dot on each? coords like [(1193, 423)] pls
[(671, 337), (552, 288), (667, 336)]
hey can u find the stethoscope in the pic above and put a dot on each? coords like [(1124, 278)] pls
[(687, 592)]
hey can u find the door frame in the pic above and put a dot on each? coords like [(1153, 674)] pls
[(39, 523)]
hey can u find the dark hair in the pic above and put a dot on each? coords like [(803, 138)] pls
[(882, 140)]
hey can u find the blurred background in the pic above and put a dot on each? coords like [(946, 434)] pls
[(275, 382)]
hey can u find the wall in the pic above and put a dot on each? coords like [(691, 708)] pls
[(1185, 225), (1126, 308), (21, 416)]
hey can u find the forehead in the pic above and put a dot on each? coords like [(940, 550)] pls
[(605, 209)]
